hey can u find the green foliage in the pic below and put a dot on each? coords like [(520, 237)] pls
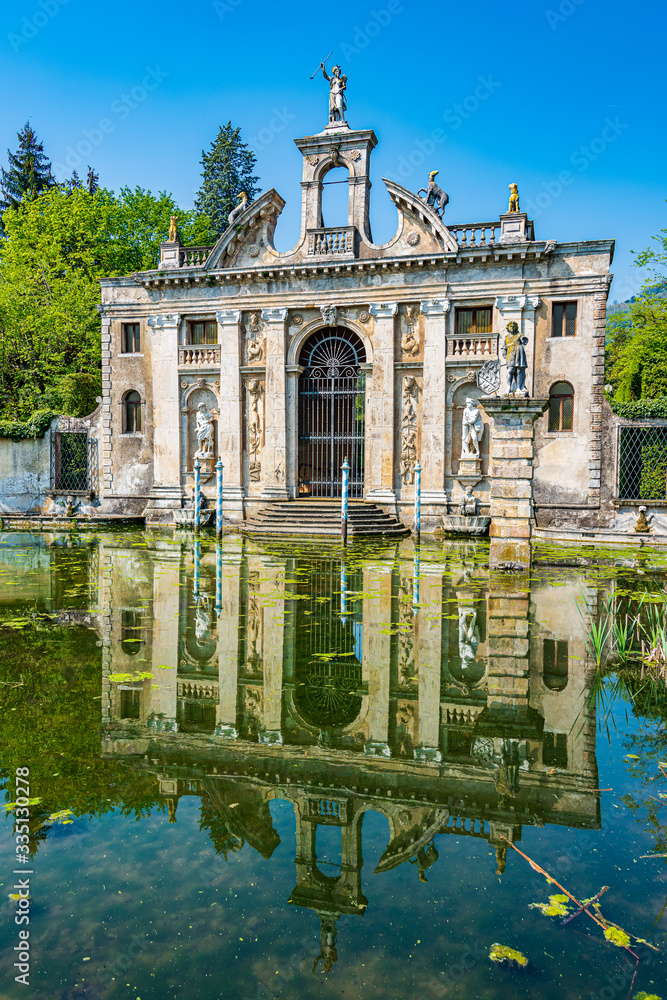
[(227, 170), (57, 248), (654, 471), (641, 409), (502, 953), (36, 427), (29, 170), (617, 936), (556, 907), (636, 352)]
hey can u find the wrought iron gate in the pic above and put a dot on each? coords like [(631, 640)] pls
[(331, 413)]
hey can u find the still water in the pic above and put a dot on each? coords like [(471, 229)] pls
[(258, 772)]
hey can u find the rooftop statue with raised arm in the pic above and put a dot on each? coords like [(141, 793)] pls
[(337, 87)]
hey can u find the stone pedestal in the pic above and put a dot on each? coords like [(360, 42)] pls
[(511, 477)]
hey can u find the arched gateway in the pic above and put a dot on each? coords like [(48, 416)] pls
[(331, 412)]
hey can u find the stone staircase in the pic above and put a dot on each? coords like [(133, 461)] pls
[(306, 518)]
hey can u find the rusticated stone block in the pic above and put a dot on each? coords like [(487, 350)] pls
[(517, 627), (503, 607), (507, 508), (504, 645), (509, 529), (508, 450), (513, 470), (520, 489)]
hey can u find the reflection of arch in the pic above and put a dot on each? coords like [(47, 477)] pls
[(331, 410)]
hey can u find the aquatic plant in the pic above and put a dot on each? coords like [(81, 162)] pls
[(554, 908), (502, 953)]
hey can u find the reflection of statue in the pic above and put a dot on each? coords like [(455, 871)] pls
[(473, 428), (173, 229), (507, 775), (409, 430), (426, 856), (254, 428), (434, 195), (203, 618), (514, 354), (469, 505), (328, 953), (468, 636), (204, 432), (239, 209), (514, 198), (255, 343), (337, 87), (410, 343)]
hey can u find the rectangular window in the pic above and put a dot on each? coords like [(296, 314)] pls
[(564, 319), (473, 321), (204, 332), (130, 703), (554, 750), (131, 338)]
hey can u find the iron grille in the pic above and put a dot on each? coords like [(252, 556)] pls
[(642, 463), (332, 393), (74, 462)]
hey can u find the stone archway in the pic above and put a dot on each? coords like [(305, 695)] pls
[(331, 412)]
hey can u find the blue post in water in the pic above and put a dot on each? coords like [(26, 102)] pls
[(343, 501), (418, 500), (218, 580), (218, 489), (343, 591), (415, 584), (197, 494), (197, 560)]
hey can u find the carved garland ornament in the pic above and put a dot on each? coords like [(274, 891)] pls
[(255, 342), (255, 428), (410, 341), (409, 429)]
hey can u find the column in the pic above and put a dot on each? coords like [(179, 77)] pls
[(428, 665), (511, 477), (228, 568), (274, 457), (230, 427), (376, 656), (434, 407), (166, 493), (380, 436)]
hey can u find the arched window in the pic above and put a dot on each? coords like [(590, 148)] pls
[(132, 412), (335, 198), (561, 406)]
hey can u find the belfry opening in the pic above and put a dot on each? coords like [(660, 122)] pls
[(331, 412)]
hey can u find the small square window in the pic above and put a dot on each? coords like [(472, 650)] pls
[(564, 319), (204, 332), (131, 338)]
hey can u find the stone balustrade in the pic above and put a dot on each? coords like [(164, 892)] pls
[(193, 256), (481, 345), (198, 690), (335, 242), (474, 234), (204, 355)]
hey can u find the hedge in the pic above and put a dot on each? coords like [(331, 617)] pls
[(36, 427)]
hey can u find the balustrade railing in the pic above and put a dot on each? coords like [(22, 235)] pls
[(479, 345), (204, 354), (335, 242), (476, 234), (193, 256)]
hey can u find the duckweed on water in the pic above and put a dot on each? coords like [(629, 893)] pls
[(554, 908), (502, 953)]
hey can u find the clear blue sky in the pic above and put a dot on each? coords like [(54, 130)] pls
[(557, 91)]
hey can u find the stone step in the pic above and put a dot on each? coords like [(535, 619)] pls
[(321, 517)]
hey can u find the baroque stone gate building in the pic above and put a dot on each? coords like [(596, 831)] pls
[(342, 347)]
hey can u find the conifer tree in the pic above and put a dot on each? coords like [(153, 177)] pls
[(227, 170), (29, 170)]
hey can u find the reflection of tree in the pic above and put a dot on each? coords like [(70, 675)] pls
[(650, 746), (211, 820)]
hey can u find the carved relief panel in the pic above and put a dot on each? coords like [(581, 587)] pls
[(410, 333), (409, 446), (254, 427), (255, 339)]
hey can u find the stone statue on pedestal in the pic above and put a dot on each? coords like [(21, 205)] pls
[(173, 229), (469, 504), (513, 351), (337, 87), (472, 430), (204, 432), (514, 198)]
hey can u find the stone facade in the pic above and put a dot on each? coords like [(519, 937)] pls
[(403, 300)]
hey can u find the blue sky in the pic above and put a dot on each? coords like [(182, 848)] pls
[(565, 97)]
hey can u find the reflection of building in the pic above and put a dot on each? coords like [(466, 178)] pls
[(468, 715)]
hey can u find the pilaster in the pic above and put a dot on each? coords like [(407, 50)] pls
[(380, 431), (434, 401), (521, 310), (511, 476), (230, 431), (107, 442), (274, 458), (166, 493)]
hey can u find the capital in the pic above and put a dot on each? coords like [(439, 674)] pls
[(274, 315), (436, 307), (383, 310), (228, 317), (162, 320)]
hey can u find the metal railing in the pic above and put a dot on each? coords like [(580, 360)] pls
[(642, 462)]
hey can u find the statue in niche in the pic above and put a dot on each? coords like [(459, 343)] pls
[(513, 350), (410, 342), (254, 428), (469, 505), (468, 636), (173, 229), (472, 430), (204, 432), (409, 430), (255, 342), (434, 196), (514, 198), (337, 87), (239, 208)]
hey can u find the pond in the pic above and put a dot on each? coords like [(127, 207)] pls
[(256, 771)]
